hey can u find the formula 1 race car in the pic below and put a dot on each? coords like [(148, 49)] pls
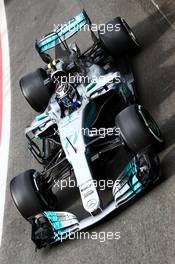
[(90, 128)]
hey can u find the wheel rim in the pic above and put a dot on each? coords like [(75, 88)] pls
[(151, 124), (130, 32)]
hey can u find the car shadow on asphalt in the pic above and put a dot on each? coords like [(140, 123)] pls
[(154, 71), (153, 57)]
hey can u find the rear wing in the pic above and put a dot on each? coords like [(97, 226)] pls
[(63, 32)]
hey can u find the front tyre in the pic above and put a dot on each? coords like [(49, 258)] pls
[(138, 128), (26, 194), (35, 91)]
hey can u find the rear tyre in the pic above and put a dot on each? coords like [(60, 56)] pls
[(119, 41), (138, 128), (35, 91), (26, 196)]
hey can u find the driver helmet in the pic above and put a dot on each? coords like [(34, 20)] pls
[(67, 95)]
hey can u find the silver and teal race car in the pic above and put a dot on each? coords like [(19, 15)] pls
[(96, 143)]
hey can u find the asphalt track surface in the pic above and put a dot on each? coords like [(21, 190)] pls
[(147, 227)]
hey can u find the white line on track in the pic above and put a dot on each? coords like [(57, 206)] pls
[(163, 14), (6, 113)]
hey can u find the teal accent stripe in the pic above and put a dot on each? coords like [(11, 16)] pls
[(90, 86), (55, 223)]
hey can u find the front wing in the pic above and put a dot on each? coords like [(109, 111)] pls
[(142, 171)]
